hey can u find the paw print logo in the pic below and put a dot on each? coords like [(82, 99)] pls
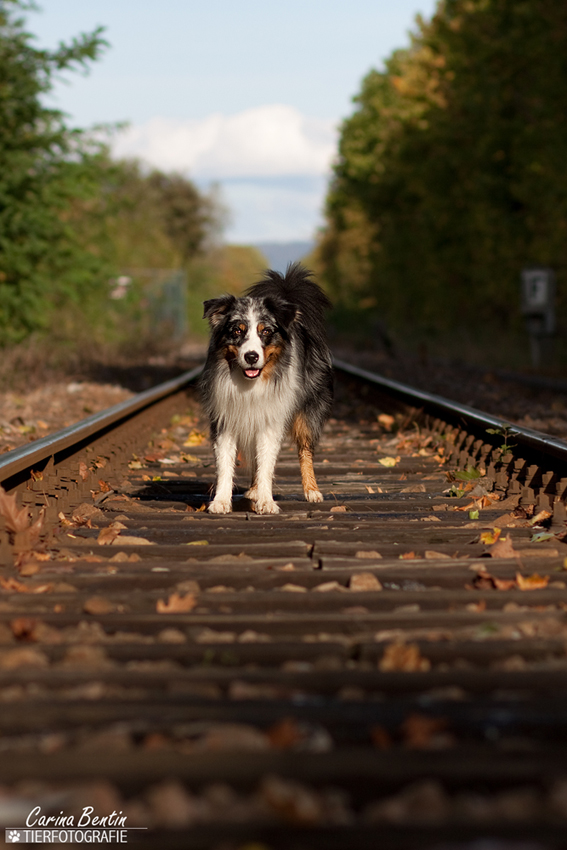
[(13, 836)]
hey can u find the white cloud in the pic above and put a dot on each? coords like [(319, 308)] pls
[(264, 141), (283, 209)]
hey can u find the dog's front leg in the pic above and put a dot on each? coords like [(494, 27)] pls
[(267, 450), (225, 456)]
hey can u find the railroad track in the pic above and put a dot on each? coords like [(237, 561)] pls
[(385, 669)]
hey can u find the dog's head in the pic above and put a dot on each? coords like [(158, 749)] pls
[(250, 333)]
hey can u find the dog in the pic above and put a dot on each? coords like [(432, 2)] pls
[(268, 374)]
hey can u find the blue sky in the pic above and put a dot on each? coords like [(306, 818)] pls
[(246, 93)]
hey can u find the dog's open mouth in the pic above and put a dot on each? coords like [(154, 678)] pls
[(252, 373)]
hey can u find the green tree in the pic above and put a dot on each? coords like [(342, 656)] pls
[(45, 168), (451, 171)]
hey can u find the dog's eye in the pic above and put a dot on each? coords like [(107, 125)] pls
[(237, 331), (266, 332)]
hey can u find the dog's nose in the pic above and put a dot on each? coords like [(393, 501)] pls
[(251, 357)]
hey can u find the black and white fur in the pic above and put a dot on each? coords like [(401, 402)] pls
[(268, 374)]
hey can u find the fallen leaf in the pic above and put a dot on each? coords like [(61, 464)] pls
[(339, 509), (17, 519), (389, 461), (99, 605), (364, 582), (285, 734), (83, 471), (195, 438), (490, 537), (432, 555), (107, 536), (130, 540), (409, 556), (327, 586), (293, 588), (419, 731), (371, 554), (503, 548), (198, 543), (542, 536), (484, 581), (135, 464), (23, 656), (540, 517), (405, 657), (386, 421), (104, 486), (533, 582), (176, 604)]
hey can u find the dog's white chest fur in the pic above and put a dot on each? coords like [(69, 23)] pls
[(246, 409)]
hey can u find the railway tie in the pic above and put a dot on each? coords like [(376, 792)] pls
[(385, 669)]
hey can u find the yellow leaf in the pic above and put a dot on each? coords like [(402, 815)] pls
[(490, 537), (198, 543), (389, 461), (533, 582), (195, 438)]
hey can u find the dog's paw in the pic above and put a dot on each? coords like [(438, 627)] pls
[(251, 494), (220, 506), (266, 506), (313, 496)]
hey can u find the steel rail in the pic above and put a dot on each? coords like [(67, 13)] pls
[(432, 403), (24, 457)]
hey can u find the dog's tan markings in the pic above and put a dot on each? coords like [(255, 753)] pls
[(230, 352), (261, 327), (272, 353), (242, 326), (301, 435)]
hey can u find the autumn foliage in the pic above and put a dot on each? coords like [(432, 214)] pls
[(451, 171)]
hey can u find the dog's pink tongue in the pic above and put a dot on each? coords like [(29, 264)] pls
[(252, 373)]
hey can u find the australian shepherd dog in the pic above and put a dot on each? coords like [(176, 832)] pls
[(268, 374)]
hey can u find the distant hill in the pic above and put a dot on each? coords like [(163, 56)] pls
[(280, 254)]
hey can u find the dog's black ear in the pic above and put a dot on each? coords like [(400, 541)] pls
[(283, 312), (217, 308)]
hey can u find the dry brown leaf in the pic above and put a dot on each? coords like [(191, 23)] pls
[(533, 582), (339, 509), (327, 586), (292, 802), (107, 536), (130, 540), (17, 519), (405, 657), (503, 548), (386, 421), (83, 470), (23, 628), (484, 581), (285, 734), (409, 556), (433, 555), (293, 588), (104, 486), (99, 605), (419, 731), (176, 604), (368, 554), (12, 584), (364, 582), (23, 656)]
